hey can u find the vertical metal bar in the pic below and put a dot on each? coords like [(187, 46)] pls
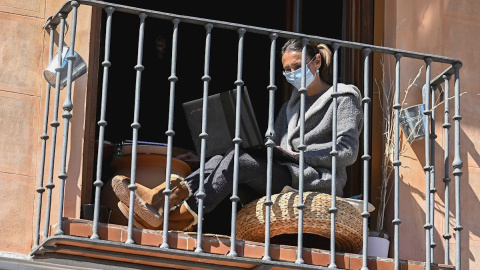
[(102, 123), (333, 209), (396, 163), (366, 152), (40, 189), (446, 165), (457, 168), (203, 136), (427, 168), (54, 124), (135, 126), (237, 140), (170, 133), (301, 148), (67, 107), (270, 144), (433, 190)]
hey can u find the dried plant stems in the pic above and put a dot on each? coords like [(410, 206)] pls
[(386, 94)]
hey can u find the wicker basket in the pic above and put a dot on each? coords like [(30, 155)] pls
[(316, 219)]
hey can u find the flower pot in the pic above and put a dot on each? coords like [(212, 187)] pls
[(378, 246), (413, 122), (78, 69)]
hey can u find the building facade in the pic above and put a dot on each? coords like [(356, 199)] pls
[(444, 28)]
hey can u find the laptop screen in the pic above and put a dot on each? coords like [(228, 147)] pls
[(221, 122)]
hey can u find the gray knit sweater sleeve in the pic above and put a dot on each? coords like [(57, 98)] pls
[(349, 115), (280, 126)]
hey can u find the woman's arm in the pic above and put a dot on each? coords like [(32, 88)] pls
[(349, 126)]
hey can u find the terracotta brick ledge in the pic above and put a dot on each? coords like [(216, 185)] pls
[(220, 245)]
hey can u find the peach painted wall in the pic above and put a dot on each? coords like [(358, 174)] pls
[(23, 56), (447, 28)]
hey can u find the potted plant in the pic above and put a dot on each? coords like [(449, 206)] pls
[(378, 238), (412, 122)]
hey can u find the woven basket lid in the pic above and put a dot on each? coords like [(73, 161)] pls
[(316, 219)]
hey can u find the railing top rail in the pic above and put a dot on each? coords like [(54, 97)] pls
[(66, 8), (439, 79)]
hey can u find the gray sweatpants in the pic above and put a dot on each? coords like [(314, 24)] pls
[(218, 183)]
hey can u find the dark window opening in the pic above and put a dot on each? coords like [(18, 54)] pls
[(322, 19)]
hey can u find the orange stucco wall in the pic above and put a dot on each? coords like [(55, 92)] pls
[(23, 56), (448, 28)]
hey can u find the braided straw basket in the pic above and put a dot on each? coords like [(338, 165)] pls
[(316, 219)]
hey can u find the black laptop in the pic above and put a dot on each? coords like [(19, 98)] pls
[(221, 126)]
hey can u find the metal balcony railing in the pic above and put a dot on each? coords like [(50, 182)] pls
[(71, 7)]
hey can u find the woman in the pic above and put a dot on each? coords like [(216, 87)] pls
[(317, 138)]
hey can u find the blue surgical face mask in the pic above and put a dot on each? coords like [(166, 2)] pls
[(295, 77)]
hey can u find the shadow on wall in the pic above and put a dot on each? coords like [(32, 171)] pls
[(411, 227)]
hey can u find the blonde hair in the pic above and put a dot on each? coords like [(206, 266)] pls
[(325, 70)]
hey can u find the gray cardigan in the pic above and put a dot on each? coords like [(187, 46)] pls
[(318, 137)]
